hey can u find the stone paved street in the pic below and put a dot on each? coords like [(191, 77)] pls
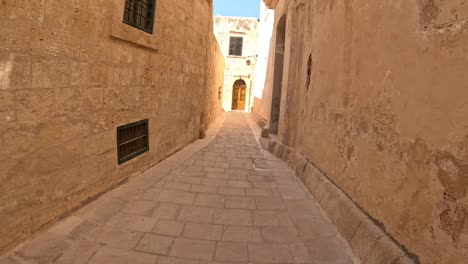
[(221, 200)]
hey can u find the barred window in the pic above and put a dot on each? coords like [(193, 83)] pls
[(140, 14), (235, 46), (132, 140)]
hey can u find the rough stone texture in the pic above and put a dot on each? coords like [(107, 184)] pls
[(369, 242), (381, 109), (213, 83), (236, 66), (70, 73), (175, 233)]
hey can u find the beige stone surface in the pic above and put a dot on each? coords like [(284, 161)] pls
[(203, 231), (242, 234), (193, 249), (232, 252), (373, 94), (169, 228), (70, 73), (196, 214), (174, 233), (155, 244), (110, 255), (269, 253)]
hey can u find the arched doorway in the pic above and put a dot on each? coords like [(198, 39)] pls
[(239, 95), (278, 75)]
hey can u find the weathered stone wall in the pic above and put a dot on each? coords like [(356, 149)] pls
[(384, 115), (214, 82), (236, 66), (70, 73)]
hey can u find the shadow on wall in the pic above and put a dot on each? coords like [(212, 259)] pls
[(278, 75)]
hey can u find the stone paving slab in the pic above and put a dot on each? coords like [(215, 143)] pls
[(221, 200)]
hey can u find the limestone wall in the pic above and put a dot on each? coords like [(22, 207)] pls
[(214, 82), (70, 73), (385, 114)]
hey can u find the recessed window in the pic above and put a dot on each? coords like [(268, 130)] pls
[(235, 46), (132, 140), (140, 14)]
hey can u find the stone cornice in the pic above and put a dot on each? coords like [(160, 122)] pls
[(271, 3)]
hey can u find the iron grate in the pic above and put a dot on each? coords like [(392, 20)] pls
[(140, 14), (132, 140)]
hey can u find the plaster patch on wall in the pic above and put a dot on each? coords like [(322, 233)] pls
[(453, 221), (453, 174), (322, 6), (442, 15), (429, 12)]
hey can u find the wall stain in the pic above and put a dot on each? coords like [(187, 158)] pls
[(322, 6), (429, 13), (452, 173), (453, 221), (383, 126)]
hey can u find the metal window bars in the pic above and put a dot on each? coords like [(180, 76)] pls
[(132, 140), (140, 14)]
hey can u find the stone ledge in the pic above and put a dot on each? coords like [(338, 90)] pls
[(368, 241), (124, 32), (271, 3)]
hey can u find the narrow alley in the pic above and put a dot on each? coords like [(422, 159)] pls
[(222, 199), (233, 131)]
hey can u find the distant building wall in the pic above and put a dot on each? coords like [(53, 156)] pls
[(236, 66), (374, 94), (267, 19), (70, 73)]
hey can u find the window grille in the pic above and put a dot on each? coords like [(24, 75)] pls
[(235, 46), (132, 140), (140, 14)]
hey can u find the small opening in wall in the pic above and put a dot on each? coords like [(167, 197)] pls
[(140, 14), (309, 72), (132, 140)]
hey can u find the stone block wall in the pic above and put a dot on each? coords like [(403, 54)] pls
[(70, 73), (384, 113), (212, 103)]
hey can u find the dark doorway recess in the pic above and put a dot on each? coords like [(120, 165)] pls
[(278, 75)]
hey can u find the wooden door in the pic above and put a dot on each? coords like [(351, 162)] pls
[(241, 98), (239, 94)]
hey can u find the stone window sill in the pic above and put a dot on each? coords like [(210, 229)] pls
[(122, 31), (235, 57)]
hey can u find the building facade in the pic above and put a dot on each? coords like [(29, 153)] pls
[(265, 26), (92, 92), (373, 95), (237, 38)]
